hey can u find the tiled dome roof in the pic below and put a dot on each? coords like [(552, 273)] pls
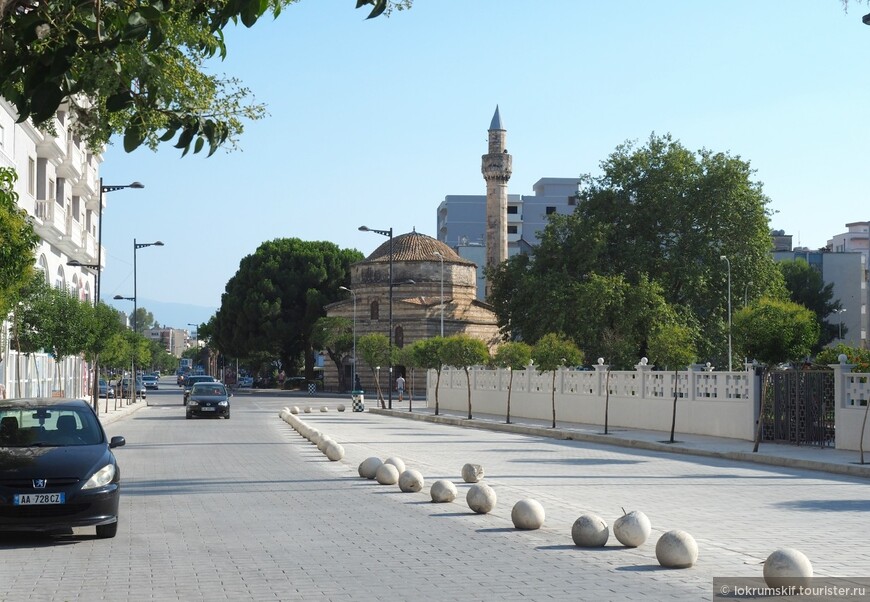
[(414, 246)]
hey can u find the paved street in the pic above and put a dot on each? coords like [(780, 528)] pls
[(245, 509)]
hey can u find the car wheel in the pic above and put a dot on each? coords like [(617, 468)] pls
[(188, 416), (227, 416), (107, 531)]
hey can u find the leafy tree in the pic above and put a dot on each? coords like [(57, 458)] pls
[(428, 354), (272, 302), (806, 287), (773, 332), (660, 213), (17, 242), (463, 351), (513, 356), (374, 349), (144, 320), (137, 68), (335, 335), (672, 345), (552, 352), (858, 356)]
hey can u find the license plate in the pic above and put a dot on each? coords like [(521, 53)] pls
[(38, 499), (207, 409)]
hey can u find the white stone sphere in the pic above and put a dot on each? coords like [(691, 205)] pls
[(340, 407), (472, 473), (787, 567), (632, 529), (387, 474), (294, 410), (308, 410), (676, 550), (324, 442), (411, 481), (590, 531), (324, 408), (443, 491), (369, 467), (334, 451), (397, 462), (528, 514), (481, 498)]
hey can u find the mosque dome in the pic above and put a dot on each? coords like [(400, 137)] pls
[(414, 246)]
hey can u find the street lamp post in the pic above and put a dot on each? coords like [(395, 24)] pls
[(840, 331), (441, 257), (389, 234), (132, 363), (728, 261), (98, 267), (136, 247), (353, 294), (195, 343)]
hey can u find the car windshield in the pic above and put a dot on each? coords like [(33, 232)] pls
[(208, 389), (48, 427)]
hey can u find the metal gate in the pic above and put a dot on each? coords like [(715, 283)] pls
[(800, 407)]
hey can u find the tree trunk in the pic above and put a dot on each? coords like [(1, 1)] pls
[(863, 425), (378, 390), (437, 383), (553, 397), (674, 413), (606, 399), (468, 382), (510, 387), (761, 408)]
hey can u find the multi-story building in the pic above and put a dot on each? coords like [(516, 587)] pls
[(843, 263), (59, 187), (174, 340)]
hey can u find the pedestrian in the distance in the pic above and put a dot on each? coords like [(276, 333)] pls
[(400, 386)]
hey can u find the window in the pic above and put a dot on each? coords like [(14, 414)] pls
[(513, 210), (572, 200), (399, 337), (59, 280), (512, 229), (375, 311), (551, 210)]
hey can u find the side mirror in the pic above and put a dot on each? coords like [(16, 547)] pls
[(117, 442)]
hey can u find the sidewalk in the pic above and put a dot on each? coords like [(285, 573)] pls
[(775, 454), (116, 413)]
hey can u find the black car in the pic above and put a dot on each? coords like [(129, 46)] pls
[(191, 380), (208, 399), (57, 469)]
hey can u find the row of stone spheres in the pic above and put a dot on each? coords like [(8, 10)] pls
[(675, 549)]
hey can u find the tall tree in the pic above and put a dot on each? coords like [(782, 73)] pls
[(145, 320), (658, 212), (773, 332), (275, 297), (806, 287), (335, 335), (513, 355), (132, 67), (463, 351), (672, 345), (17, 242), (552, 352), (428, 354)]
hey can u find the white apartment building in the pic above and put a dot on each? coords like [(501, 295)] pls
[(59, 186), (174, 340), (462, 220)]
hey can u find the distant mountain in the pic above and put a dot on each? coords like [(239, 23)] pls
[(174, 315)]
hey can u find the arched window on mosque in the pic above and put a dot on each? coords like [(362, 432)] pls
[(375, 310), (399, 337)]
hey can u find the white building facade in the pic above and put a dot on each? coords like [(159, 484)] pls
[(59, 187)]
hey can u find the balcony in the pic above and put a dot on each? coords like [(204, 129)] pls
[(53, 147), (71, 166), (50, 221)]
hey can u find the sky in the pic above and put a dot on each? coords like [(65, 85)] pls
[(375, 122)]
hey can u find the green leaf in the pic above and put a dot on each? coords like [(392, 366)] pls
[(186, 137), (45, 101), (118, 101), (133, 138), (377, 11), (200, 142)]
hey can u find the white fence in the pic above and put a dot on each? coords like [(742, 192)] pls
[(722, 404), (41, 375)]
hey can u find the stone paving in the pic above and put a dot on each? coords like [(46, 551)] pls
[(246, 509)]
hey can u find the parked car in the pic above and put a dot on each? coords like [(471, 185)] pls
[(191, 380), (105, 390), (208, 399), (124, 388), (246, 382), (58, 467), (150, 381)]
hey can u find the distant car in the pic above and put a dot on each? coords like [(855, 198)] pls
[(105, 390), (125, 388), (150, 381), (58, 467), (189, 381), (246, 382), (208, 399)]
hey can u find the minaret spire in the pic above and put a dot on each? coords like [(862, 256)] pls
[(496, 168)]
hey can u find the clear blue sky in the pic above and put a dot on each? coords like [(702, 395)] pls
[(374, 122)]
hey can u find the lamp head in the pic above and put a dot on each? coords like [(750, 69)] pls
[(137, 185), (363, 228)]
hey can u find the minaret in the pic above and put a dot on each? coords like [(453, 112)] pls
[(496, 168)]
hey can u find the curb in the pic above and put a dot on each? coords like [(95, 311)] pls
[(852, 470)]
